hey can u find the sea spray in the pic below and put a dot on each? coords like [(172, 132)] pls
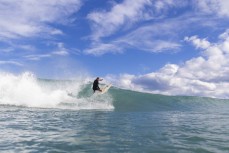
[(27, 90), (24, 90)]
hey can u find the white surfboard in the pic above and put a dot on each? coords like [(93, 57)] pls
[(105, 89)]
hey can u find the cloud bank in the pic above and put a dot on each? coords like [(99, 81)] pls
[(206, 75)]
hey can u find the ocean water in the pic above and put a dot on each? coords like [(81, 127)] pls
[(64, 116)]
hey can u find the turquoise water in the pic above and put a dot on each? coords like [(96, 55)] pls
[(118, 121), (56, 130)]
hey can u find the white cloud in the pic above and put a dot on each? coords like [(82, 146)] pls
[(11, 62), (56, 32), (7, 50), (15, 46), (37, 57), (151, 38), (158, 34), (206, 75), (120, 45), (218, 7), (26, 18), (123, 80), (107, 22), (102, 48), (224, 35), (123, 15), (59, 51), (199, 43)]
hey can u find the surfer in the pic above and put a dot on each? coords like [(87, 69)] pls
[(96, 84)]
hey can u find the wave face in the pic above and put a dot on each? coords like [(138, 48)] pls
[(126, 100), (26, 90)]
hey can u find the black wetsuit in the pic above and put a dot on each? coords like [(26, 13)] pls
[(96, 85)]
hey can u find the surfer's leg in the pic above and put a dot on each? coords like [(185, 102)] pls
[(100, 89)]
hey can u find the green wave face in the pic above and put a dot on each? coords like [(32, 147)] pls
[(127, 100)]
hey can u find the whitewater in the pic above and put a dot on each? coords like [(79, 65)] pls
[(46, 115), (27, 90)]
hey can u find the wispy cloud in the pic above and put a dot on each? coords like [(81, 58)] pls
[(30, 18), (102, 48), (153, 30), (37, 57), (60, 50), (105, 23), (218, 7), (7, 50), (153, 37), (11, 62), (123, 15)]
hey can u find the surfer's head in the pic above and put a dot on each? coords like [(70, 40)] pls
[(97, 78)]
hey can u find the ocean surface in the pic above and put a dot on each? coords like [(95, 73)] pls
[(39, 115)]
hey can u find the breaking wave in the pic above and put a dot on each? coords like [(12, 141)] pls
[(29, 91)]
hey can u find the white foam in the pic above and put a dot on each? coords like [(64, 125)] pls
[(27, 90)]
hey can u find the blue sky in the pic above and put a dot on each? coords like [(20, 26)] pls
[(159, 46)]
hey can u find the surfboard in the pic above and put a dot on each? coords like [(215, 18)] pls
[(105, 89)]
